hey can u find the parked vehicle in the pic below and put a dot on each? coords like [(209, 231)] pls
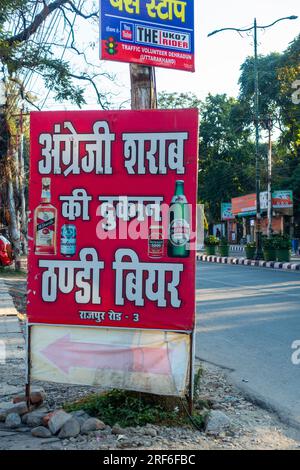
[(6, 252)]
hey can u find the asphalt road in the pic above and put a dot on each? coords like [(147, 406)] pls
[(247, 321)]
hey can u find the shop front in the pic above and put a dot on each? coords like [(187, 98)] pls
[(244, 211)]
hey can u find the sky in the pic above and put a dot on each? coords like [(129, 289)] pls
[(218, 58)]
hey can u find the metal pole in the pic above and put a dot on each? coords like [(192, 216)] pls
[(270, 180), (259, 253), (28, 365), (192, 373)]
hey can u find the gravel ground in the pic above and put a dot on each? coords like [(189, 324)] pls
[(248, 426)]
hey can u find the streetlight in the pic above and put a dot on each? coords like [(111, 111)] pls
[(255, 27)]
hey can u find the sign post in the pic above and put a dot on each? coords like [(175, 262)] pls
[(112, 248), (113, 234)]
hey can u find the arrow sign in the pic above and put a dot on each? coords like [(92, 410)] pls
[(66, 353)]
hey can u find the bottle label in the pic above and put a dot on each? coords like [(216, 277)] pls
[(45, 228), (156, 242), (46, 195), (179, 232)]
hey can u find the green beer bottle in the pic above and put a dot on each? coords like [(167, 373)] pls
[(179, 224)]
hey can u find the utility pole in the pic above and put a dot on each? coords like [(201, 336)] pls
[(254, 28), (269, 125), (259, 252)]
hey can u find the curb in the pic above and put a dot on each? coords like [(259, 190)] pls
[(248, 262)]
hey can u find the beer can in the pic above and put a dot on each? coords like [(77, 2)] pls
[(155, 242), (68, 240)]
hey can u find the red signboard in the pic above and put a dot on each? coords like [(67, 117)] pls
[(243, 204), (112, 204)]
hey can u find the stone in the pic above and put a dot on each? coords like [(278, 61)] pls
[(217, 422), (116, 429), (47, 417), (51, 439), (80, 414), (71, 428), (147, 444), (57, 420), (37, 396), (3, 414), (123, 442), (12, 420), (92, 424), (7, 408), (150, 432), (34, 419), (41, 431)]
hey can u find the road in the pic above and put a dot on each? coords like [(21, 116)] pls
[(247, 320)]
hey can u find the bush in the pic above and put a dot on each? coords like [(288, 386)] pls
[(268, 243), (282, 242), (251, 245), (223, 241), (138, 409), (211, 241)]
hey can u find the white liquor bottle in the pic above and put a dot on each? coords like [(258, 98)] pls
[(45, 222)]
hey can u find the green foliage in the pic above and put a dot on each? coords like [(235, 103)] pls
[(177, 100), (8, 271), (29, 44), (211, 240), (138, 409), (269, 86), (282, 242), (268, 243), (251, 245), (227, 163), (223, 241), (128, 408)]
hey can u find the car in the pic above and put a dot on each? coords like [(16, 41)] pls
[(6, 252)]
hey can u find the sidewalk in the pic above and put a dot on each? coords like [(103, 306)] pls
[(238, 251), (11, 344), (293, 265)]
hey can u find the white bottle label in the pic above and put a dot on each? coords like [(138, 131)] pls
[(45, 228), (179, 232)]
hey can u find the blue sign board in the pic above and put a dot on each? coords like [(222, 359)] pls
[(149, 32)]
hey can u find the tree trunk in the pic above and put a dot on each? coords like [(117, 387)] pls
[(14, 231), (23, 214)]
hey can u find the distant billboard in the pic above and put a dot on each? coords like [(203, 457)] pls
[(226, 211), (282, 199), (246, 205), (158, 33)]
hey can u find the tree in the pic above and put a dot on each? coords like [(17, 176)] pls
[(226, 163), (226, 152), (277, 74), (31, 42), (178, 100)]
